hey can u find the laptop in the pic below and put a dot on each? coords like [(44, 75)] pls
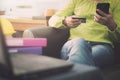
[(15, 66)]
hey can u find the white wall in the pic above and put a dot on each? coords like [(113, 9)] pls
[(37, 7)]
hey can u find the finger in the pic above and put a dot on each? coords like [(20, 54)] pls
[(72, 26), (97, 16), (74, 16), (101, 21), (96, 19), (101, 12), (75, 19), (75, 24), (70, 20), (110, 13), (100, 17)]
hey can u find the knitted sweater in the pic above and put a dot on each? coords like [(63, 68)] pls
[(91, 30)]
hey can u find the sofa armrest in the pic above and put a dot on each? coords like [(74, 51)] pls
[(28, 34), (117, 53), (55, 38)]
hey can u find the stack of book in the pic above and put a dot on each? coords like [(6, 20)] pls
[(26, 45)]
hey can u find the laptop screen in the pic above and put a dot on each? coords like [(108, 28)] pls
[(2, 46), (5, 63), (2, 59)]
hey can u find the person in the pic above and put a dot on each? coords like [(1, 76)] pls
[(91, 43), (7, 27)]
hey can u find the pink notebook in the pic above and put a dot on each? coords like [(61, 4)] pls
[(19, 42)]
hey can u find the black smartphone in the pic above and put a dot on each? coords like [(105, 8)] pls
[(103, 7), (83, 20)]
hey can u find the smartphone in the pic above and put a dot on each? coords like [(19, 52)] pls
[(83, 20), (103, 7)]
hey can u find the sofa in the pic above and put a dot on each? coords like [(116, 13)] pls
[(57, 37)]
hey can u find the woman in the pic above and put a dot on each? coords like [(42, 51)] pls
[(92, 42)]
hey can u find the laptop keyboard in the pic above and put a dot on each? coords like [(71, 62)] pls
[(26, 62), (35, 62)]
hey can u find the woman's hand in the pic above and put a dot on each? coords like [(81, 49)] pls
[(70, 22), (105, 19)]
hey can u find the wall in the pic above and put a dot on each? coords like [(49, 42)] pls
[(33, 7)]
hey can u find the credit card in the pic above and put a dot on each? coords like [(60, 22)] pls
[(83, 20)]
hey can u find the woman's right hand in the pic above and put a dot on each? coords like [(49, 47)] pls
[(72, 23)]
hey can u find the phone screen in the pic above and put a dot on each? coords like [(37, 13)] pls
[(103, 7)]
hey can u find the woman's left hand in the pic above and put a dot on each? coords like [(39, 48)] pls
[(105, 19)]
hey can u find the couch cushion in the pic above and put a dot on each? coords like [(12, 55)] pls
[(117, 53), (55, 39), (112, 73)]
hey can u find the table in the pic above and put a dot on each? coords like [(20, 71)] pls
[(20, 24)]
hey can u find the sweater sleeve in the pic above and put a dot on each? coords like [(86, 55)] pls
[(116, 12), (57, 19)]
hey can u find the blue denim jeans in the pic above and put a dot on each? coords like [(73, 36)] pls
[(81, 51)]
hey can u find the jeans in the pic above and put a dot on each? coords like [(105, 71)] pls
[(81, 51)]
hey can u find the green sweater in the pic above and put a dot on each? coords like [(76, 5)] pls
[(91, 30)]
